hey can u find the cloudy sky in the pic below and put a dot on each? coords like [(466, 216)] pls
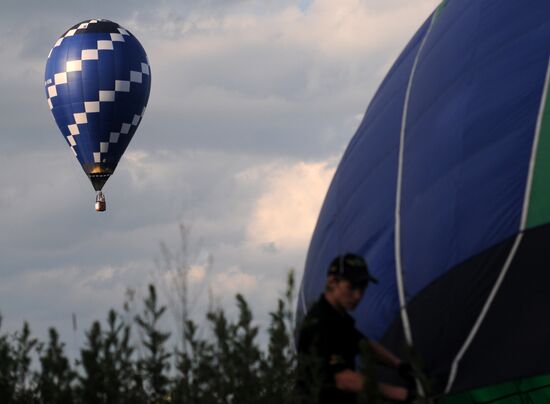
[(252, 105)]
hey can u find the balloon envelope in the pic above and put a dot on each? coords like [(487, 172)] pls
[(444, 190), (97, 82)]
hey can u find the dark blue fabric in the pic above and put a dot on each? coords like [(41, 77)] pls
[(470, 126)]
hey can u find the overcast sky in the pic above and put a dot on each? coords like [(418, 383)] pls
[(252, 105)]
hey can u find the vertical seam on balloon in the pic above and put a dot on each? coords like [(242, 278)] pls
[(483, 313), (534, 150), (398, 265), (304, 306)]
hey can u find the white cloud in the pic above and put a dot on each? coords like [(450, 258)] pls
[(197, 273), (352, 26), (287, 81), (285, 214), (328, 27), (233, 280)]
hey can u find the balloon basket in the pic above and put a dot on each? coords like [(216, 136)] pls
[(100, 204)]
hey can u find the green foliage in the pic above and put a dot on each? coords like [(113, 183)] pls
[(108, 373), (129, 361), (155, 364), (92, 381), (279, 367), (8, 363), (119, 367), (195, 369), (54, 381), (24, 345), (15, 362)]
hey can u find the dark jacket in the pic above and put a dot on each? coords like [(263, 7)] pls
[(328, 343)]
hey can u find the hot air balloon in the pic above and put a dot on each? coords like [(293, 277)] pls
[(97, 80), (445, 190)]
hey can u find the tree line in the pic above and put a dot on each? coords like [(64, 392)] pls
[(129, 359)]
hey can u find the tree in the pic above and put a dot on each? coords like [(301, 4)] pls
[(196, 369), (93, 383), (155, 363), (279, 366), (54, 381), (125, 383), (8, 378), (237, 356), (24, 345), (225, 365)]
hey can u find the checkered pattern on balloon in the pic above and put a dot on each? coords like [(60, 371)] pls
[(97, 83)]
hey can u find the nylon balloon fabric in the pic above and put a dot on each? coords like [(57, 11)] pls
[(97, 81), (444, 190)]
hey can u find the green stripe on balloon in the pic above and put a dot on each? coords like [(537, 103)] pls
[(539, 198), (530, 390)]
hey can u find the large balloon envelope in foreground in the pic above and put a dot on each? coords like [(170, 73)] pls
[(445, 189), (97, 82)]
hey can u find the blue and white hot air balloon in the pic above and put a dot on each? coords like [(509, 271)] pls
[(445, 190), (98, 80)]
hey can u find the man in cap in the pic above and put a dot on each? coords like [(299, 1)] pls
[(329, 343)]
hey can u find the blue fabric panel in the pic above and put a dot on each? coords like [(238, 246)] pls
[(58, 59), (122, 65), (107, 118), (106, 70), (470, 124), (74, 48), (93, 126), (458, 198), (63, 94), (74, 88), (432, 154), (90, 87), (89, 41), (65, 115)]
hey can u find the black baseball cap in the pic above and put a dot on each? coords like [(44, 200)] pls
[(353, 268)]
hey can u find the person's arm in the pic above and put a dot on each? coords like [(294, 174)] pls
[(349, 380), (404, 369), (393, 392), (384, 355)]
